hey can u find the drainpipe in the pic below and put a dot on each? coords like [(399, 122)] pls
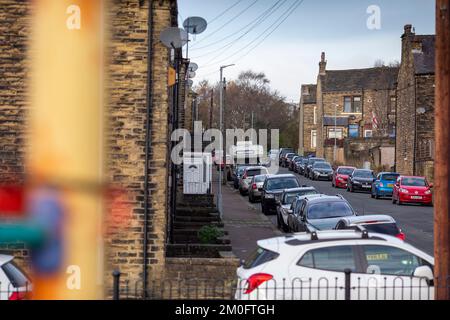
[(148, 141)]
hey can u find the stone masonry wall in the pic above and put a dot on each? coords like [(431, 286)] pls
[(14, 65), (127, 110), (308, 126)]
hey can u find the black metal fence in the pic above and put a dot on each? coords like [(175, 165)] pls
[(349, 287), (10, 291)]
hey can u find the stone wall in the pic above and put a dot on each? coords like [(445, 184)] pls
[(308, 126), (358, 151), (128, 118)]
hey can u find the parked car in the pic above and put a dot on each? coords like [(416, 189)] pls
[(283, 153), (412, 190), (300, 167), (287, 159), (340, 177), (237, 173), (321, 171), (284, 206), (220, 165), (381, 267), (14, 283), (273, 189), (246, 178), (273, 154), (291, 163), (320, 213), (360, 180), (374, 223), (256, 185), (383, 186), (311, 162)]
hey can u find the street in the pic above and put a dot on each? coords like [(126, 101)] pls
[(415, 221)]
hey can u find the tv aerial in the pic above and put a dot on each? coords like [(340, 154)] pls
[(174, 37), (195, 25)]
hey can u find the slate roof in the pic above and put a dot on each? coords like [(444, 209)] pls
[(380, 78), (310, 98), (424, 61)]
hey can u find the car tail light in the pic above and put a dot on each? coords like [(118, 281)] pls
[(256, 280), (401, 236), (17, 295), (254, 186)]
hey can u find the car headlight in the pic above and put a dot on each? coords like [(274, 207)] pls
[(428, 192), (403, 190), (270, 196)]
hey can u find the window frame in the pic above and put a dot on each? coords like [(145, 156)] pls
[(353, 104), (338, 129)]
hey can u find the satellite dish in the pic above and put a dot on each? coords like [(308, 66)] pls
[(193, 67), (195, 25), (174, 37), (190, 83), (192, 74)]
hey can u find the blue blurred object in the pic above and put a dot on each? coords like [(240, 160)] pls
[(46, 211)]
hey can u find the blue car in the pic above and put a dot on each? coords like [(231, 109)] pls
[(383, 186)]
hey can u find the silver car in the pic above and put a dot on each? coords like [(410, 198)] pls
[(254, 193), (246, 178)]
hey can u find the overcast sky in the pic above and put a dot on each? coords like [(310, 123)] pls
[(289, 56)]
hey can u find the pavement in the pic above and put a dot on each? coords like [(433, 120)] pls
[(246, 224)]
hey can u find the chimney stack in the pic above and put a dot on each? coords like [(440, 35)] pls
[(322, 65)]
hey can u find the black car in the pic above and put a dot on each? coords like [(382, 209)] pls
[(285, 208), (319, 212), (360, 180), (373, 223), (321, 171), (309, 165), (272, 190), (288, 159), (301, 166)]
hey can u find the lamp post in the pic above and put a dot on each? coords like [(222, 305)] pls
[(335, 134), (222, 142)]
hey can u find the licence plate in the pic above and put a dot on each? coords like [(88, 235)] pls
[(390, 185), (416, 197), (366, 186)]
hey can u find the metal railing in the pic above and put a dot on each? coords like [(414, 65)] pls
[(348, 286)]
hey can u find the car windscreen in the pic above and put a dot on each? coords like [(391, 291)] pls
[(389, 177), (282, 183), (289, 198), (328, 210), (290, 156), (384, 228), (259, 257), (363, 174), (313, 161), (15, 275), (414, 182), (322, 165), (345, 171)]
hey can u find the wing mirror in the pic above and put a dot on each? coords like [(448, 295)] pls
[(424, 272), (431, 185)]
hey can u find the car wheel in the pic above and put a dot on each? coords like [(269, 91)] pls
[(393, 200), (399, 202), (372, 195), (278, 222), (263, 208), (251, 199)]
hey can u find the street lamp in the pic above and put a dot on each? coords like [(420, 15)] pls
[(335, 134), (222, 175)]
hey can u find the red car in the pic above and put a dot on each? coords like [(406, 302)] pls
[(412, 190), (340, 177)]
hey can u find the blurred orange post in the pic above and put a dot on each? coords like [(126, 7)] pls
[(66, 152)]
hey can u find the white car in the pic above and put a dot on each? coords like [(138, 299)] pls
[(14, 284), (335, 265)]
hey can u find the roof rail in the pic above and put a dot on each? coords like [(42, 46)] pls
[(340, 196), (364, 232)]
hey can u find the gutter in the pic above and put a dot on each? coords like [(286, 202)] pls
[(148, 143)]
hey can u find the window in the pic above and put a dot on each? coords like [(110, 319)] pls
[(331, 259), (15, 275), (337, 133), (315, 115), (259, 257), (329, 210), (313, 139), (353, 131), (368, 133), (390, 261), (352, 104)]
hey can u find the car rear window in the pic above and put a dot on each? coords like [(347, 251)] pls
[(255, 172), (282, 183), (259, 257), (15, 275), (329, 210), (384, 228)]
